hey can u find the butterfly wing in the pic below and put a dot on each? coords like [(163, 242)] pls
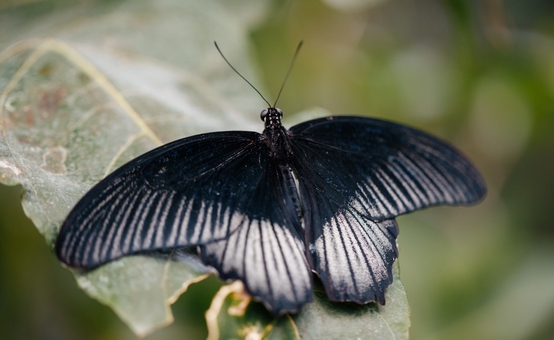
[(192, 191), (352, 254), (267, 253), (355, 175), (385, 169)]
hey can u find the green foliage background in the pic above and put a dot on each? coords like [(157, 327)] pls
[(477, 73)]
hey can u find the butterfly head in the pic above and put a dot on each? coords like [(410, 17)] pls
[(271, 117)]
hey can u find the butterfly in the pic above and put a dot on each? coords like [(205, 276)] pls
[(270, 208)]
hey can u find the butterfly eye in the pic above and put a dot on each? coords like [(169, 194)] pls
[(279, 112), (263, 114)]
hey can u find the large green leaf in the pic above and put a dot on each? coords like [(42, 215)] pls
[(85, 89)]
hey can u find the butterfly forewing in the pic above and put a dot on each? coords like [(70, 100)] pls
[(385, 169), (192, 191)]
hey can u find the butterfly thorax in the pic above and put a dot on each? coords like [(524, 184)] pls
[(274, 134)]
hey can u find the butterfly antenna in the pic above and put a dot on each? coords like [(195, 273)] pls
[(237, 72), (289, 71)]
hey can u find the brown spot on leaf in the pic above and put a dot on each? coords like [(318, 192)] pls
[(28, 115), (46, 70), (53, 160), (49, 102), (5, 166), (83, 78), (6, 123)]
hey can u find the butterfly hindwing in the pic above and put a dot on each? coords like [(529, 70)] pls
[(192, 191), (267, 252), (385, 169), (352, 255)]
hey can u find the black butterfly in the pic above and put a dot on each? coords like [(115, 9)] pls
[(269, 208)]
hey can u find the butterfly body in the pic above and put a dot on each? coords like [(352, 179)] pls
[(275, 135), (270, 208)]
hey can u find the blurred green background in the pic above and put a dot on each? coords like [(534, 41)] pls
[(477, 73)]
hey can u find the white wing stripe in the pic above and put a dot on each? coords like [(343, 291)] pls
[(176, 222), (154, 223), (116, 247), (108, 224), (160, 231), (133, 226)]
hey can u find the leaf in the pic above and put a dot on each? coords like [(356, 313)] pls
[(233, 315), (88, 89), (140, 289), (77, 106)]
